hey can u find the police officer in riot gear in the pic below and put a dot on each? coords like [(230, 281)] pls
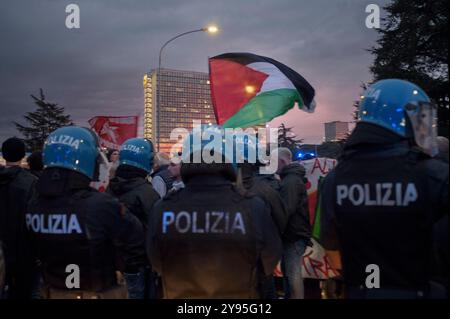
[(250, 180), (131, 187), (207, 240), (130, 184), (77, 231), (379, 204)]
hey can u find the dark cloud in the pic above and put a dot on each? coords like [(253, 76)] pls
[(98, 68)]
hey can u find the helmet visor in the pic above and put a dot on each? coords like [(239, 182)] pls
[(423, 119)]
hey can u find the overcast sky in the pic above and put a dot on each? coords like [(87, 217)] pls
[(98, 69)]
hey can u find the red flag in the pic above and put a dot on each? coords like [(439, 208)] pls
[(114, 130), (228, 83)]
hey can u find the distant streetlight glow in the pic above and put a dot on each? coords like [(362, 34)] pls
[(211, 29)]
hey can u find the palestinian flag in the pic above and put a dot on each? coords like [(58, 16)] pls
[(248, 89)]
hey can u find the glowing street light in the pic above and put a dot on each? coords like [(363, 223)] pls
[(209, 29)]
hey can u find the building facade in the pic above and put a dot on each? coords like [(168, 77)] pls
[(336, 130), (184, 96)]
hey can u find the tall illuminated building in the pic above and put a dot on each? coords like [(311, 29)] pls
[(184, 97)]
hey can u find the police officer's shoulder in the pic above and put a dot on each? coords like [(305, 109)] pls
[(255, 200), (24, 180), (326, 186), (330, 177), (25, 176), (174, 195), (166, 202), (241, 194), (96, 200), (146, 186), (265, 190), (431, 167), (434, 169), (258, 202), (259, 211)]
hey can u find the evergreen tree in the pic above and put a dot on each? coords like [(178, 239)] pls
[(287, 138), (47, 118), (414, 46)]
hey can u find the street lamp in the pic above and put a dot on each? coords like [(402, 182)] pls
[(209, 29)]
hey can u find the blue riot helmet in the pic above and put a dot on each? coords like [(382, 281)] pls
[(403, 108), (208, 144), (74, 148), (137, 152), (207, 150)]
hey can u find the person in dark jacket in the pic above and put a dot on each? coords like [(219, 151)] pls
[(131, 187), (264, 186), (35, 164), (252, 180), (77, 232), (380, 203), (297, 235), (209, 241), (16, 188)]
